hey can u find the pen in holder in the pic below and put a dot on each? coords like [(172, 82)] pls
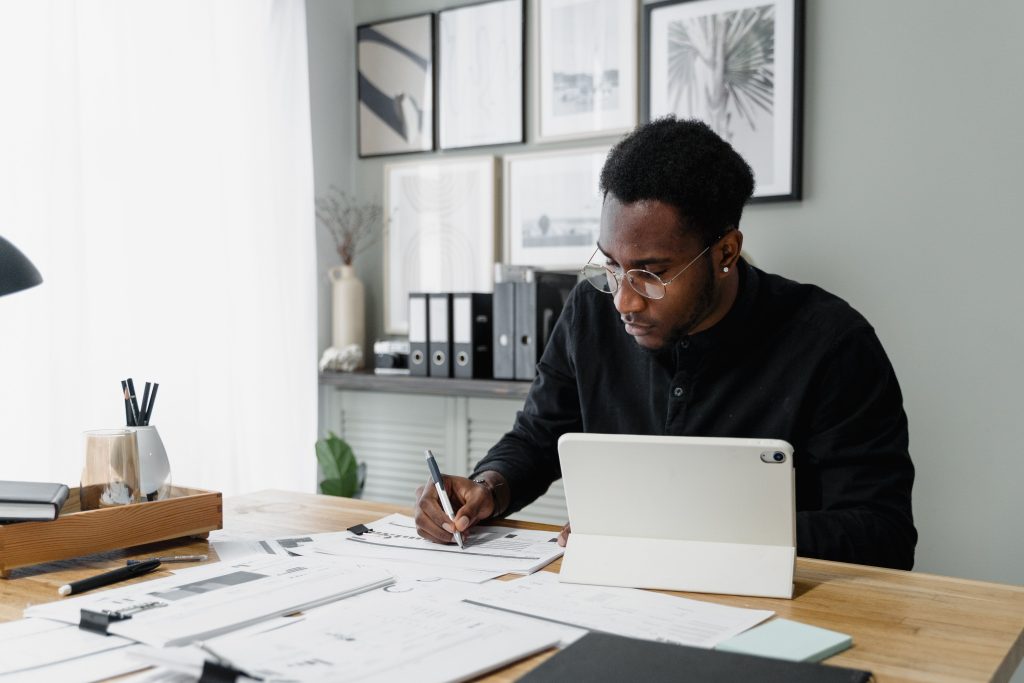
[(154, 469)]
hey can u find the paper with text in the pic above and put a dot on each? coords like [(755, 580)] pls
[(622, 611)]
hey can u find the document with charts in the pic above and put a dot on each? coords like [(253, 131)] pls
[(488, 548), (202, 602), (622, 611), (372, 641)]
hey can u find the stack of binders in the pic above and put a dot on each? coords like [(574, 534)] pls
[(526, 306), (450, 334)]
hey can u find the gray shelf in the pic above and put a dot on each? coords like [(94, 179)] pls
[(436, 386)]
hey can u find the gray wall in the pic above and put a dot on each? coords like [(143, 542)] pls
[(913, 154)]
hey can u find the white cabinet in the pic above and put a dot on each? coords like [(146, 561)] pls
[(388, 431)]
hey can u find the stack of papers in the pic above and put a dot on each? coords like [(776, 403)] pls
[(402, 640), (493, 549), (202, 602), (621, 611)]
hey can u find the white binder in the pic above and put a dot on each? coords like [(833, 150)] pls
[(708, 515)]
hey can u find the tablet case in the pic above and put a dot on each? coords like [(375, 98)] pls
[(710, 515)]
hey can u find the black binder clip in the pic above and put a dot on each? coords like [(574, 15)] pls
[(359, 529), (221, 673), (98, 622)]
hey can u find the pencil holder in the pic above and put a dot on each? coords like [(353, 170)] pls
[(154, 468)]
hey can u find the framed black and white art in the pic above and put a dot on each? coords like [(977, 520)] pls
[(738, 66), (396, 86), (586, 68), (553, 207), (480, 74), (440, 231)]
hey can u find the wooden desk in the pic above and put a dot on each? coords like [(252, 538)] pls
[(905, 626)]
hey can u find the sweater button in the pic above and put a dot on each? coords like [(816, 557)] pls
[(677, 392)]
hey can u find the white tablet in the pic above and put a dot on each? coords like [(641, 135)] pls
[(684, 513)]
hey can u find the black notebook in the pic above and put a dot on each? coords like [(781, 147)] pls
[(598, 657), (22, 501)]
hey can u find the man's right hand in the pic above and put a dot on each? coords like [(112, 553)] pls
[(471, 501)]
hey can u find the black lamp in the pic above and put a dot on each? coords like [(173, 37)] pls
[(16, 271)]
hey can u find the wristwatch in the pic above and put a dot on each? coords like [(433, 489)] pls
[(490, 486)]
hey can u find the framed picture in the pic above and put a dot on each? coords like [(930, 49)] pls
[(480, 74), (396, 86), (553, 207), (738, 66), (586, 68), (440, 218)]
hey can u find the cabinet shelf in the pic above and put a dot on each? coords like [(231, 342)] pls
[(434, 386)]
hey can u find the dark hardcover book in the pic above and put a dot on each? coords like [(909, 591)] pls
[(598, 657), (22, 501)]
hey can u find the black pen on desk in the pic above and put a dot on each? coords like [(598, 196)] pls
[(442, 495), (107, 578), (135, 403)]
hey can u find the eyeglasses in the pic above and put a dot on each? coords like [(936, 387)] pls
[(644, 282)]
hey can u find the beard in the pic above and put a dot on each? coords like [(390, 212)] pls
[(701, 307)]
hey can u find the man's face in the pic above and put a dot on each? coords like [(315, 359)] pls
[(647, 235)]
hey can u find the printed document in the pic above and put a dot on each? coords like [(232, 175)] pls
[(28, 644), (205, 601), (374, 642), (488, 548), (622, 611)]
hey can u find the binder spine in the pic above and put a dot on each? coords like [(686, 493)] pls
[(503, 337), (440, 334), (472, 335), (418, 326)]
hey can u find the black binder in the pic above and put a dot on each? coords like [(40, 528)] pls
[(599, 657), (503, 338), (418, 326), (472, 330), (439, 326), (538, 302)]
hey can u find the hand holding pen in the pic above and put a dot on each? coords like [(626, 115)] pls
[(442, 495)]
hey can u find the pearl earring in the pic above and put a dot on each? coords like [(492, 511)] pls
[(725, 269)]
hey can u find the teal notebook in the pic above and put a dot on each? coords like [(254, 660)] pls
[(785, 639)]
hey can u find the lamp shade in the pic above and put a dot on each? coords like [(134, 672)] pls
[(16, 271)]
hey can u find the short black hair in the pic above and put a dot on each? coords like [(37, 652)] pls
[(685, 164)]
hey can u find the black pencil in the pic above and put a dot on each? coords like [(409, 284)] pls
[(127, 404), (135, 403), (152, 400), (145, 404)]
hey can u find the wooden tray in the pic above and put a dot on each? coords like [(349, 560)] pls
[(188, 512)]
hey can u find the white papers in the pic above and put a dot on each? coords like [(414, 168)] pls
[(101, 666), (375, 642), (32, 643), (488, 548), (205, 601), (622, 611)]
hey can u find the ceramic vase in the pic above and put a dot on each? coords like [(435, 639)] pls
[(154, 468), (347, 313)]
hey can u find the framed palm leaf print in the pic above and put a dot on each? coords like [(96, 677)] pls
[(738, 66)]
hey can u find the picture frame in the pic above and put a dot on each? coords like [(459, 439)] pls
[(481, 65), (585, 64), (757, 106), (395, 86), (440, 217), (552, 207)]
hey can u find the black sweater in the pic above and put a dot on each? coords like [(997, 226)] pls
[(789, 361)]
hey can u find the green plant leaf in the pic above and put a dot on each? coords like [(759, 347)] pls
[(338, 462)]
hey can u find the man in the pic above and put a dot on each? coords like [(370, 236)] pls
[(674, 333)]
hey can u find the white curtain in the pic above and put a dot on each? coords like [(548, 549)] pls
[(156, 166)]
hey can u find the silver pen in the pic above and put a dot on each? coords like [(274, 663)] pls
[(446, 504), (172, 558)]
